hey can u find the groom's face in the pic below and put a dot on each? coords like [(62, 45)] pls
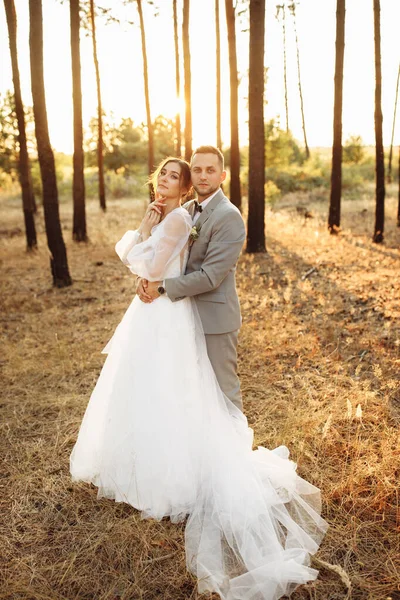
[(207, 174)]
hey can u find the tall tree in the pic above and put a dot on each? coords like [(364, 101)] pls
[(58, 253), (150, 132), (281, 10), (398, 205), (379, 155), (235, 192), (78, 180), (188, 82), (389, 176), (292, 8), (337, 149), (28, 201), (218, 73), (100, 149), (177, 82), (255, 229)]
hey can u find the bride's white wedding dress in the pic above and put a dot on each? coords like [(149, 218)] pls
[(159, 434)]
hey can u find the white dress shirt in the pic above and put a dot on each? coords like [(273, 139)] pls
[(203, 205)]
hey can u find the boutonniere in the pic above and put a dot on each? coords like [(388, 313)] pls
[(194, 234)]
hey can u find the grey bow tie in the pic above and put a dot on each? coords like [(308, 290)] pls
[(197, 207)]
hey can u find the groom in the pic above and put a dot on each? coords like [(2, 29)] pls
[(210, 270)]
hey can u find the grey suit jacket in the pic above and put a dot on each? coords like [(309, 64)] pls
[(210, 270)]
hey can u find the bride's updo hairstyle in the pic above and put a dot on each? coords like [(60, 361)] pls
[(185, 179)]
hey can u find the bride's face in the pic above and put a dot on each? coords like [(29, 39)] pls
[(169, 181)]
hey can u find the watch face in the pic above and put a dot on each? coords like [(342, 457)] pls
[(160, 289)]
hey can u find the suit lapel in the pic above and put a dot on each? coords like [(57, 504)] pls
[(190, 208), (207, 212)]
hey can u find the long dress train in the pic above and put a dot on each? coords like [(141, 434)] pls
[(159, 434)]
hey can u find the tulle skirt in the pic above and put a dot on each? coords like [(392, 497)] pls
[(159, 434)]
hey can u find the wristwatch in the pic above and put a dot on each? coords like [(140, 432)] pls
[(161, 289)]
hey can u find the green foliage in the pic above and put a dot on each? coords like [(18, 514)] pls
[(125, 144), (353, 150), (164, 138), (8, 135), (36, 179), (117, 185), (9, 145), (281, 149), (272, 192), (297, 179)]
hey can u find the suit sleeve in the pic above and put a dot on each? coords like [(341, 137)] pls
[(222, 254)]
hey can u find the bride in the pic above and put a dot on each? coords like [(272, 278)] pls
[(159, 434)]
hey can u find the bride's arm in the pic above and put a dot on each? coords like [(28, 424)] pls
[(131, 238), (151, 258)]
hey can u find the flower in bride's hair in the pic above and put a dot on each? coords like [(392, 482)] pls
[(194, 234)]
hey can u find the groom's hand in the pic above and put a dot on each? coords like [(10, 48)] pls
[(152, 289)]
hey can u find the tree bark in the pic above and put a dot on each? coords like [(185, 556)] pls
[(150, 132), (256, 226), (28, 201), (235, 192), (337, 149), (398, 205), (285, 69), (178, 145), (292, 8), (79, 233), (379, 155), (283, 8), (218, 73), (58, 253), (389, 175), (188, 82), (100, 159)]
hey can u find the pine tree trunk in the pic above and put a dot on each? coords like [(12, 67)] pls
[(284, 67), (398, 205), (235, 192), (292, 8), (178, 144), (218, 73), (379, 155), (100, 159), (150, 133), (187, 83), (337, 149), (58, 258), (256, 226), (28, 202), (389, 175), (79, 233)]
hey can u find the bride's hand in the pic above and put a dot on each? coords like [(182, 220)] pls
[(149, 220), (158, 205)]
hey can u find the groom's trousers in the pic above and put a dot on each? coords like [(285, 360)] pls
[(222, 352)]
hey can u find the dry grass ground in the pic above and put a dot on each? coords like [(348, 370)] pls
[(319, 364)]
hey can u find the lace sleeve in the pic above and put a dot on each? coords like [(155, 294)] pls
[(151, 258)]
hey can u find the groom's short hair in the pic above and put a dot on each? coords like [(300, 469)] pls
[(210, 150)]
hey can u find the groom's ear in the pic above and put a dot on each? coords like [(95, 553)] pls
[(223, 176)]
